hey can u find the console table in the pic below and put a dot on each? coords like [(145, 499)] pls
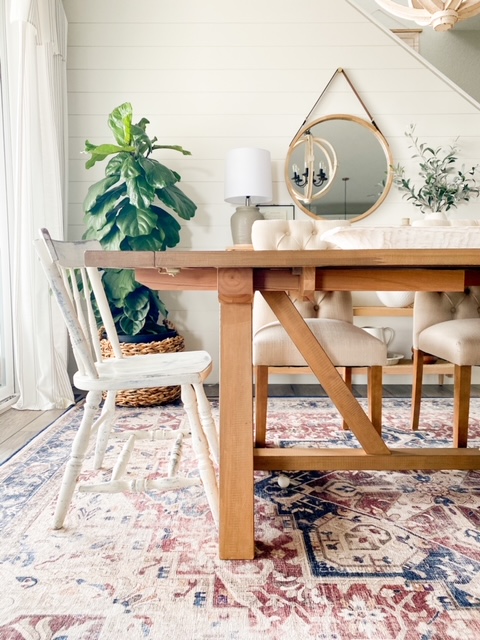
[(236, 276)]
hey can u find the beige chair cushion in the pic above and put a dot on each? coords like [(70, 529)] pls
[(457, 341), (447, 325), (327, 304), (345, 344), (432, 307)]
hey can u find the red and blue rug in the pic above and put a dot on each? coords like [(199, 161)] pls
[(340, 555)]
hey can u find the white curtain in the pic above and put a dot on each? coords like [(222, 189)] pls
[(36, 74)]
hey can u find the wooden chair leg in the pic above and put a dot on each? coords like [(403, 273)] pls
[(261, 403), (201, 448), (462, 384), (208, 423), (104, 425), (347, 377), (77, 456), (375, 396), (417, 381)]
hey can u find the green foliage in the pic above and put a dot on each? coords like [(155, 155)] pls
[(124, 212), (444, 186)]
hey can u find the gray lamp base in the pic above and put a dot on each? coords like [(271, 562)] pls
[(241, 224)]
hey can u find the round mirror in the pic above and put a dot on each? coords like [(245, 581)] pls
[(338, 167)]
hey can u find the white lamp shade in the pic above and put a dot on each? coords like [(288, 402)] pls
[(248, 174)]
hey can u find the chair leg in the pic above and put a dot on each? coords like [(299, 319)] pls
[(462, 384), (104, 425), (261, 404), (74, 464), (375, 396), (208, 423), (347, 377), (200, 447), (417, 381)]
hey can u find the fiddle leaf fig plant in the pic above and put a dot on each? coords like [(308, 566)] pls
[(444, 185), (126, 211)]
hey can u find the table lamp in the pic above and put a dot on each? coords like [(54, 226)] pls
[(248, 182)]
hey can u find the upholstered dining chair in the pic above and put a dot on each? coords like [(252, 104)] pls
[(329, 315), (75, 286), (447, 325)]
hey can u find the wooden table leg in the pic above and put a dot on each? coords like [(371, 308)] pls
[(236, 528)]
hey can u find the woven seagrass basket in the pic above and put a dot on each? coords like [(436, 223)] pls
[(145, 397)]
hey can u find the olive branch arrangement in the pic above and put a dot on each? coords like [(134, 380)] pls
[(444, 185)]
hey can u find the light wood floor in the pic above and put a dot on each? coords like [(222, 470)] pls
[(19, 427)]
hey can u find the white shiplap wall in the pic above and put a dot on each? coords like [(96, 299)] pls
[(214, 75)]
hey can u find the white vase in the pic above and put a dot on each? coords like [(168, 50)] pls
[(432, 219), (396, 298)]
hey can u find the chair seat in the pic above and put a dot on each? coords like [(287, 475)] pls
[(457, 341), (345, 344), (148, 370)]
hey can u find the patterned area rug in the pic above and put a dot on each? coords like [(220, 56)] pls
[(340, 555)]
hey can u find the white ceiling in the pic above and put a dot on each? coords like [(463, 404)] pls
[(393, 22)]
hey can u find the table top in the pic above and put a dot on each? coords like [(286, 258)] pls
[(328, 258)]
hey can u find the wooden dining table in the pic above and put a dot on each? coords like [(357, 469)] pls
[(237, 275)]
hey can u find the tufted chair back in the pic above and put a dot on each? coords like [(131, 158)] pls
[(434, 307), (447, 325), (291, 235)]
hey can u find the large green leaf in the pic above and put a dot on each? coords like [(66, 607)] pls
[(91, 234), (158, 175), (157, 306), (130, 168), (100, 152), (140, 139), (178, 201), (142, 124), (137, 304), (141, 193), (118, 284), (129, 327), (112, 237), (104, 225), (136, 222), (120, 122), (97, 190), (175, 147), (106, 202), (170, 227), (115, 164), (154, 241), (96, 224)]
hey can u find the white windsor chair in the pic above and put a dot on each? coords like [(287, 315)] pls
[(65, 268)]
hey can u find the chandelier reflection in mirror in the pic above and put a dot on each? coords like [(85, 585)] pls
[(344, 146), (442, 15), (319, 160), (302, 180)]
